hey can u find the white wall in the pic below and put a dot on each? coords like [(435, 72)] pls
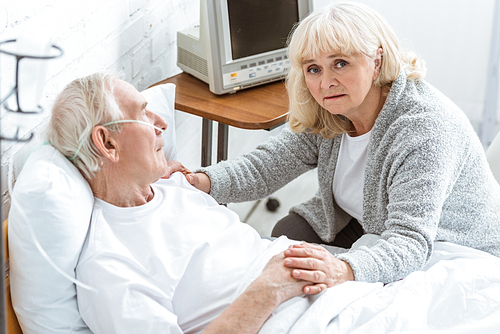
[(453, 37), (137, 37)]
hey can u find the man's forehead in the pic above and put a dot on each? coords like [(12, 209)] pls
[(123, 89)]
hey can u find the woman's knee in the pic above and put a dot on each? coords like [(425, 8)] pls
[(295, 227)]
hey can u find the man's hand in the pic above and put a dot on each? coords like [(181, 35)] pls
[(276, 284), (253, 307), (317, 265)]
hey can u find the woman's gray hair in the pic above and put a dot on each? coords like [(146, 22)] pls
[(83, 104), (349, 28)]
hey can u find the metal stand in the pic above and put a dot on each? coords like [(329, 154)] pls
[(222, 142), (16, 138), (206, 142)]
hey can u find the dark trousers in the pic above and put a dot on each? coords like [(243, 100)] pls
[(297, 228)]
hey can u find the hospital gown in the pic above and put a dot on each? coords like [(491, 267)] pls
[(171, 265)]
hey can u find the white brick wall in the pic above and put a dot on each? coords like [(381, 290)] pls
[(136, 37)]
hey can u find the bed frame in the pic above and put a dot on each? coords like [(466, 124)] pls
[(12, 323)]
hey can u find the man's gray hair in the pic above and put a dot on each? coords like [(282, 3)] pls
[(83, 104)]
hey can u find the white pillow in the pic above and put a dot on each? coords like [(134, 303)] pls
[(53, 199), (161, 101)]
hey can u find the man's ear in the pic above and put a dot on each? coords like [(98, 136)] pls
[(105, 143)]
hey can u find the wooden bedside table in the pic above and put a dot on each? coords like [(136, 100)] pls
[(260, 107)]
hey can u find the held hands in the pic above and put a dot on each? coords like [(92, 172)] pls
[(276, 284), (280, 282), (316, 265), (252, 308), (200, 181)]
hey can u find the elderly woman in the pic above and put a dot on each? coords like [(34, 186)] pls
[(391, 151), (160, 256)]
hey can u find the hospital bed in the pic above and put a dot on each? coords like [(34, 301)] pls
[(460, 283), (11, 318)]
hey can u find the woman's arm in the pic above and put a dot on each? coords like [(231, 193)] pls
[(266, 169), (256, 174)]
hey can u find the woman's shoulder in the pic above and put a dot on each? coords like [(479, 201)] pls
[(419, 104), (418, 114)]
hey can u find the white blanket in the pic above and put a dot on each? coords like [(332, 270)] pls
[(458, 291)]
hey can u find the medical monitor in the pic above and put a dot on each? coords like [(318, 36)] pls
[(240, 43)]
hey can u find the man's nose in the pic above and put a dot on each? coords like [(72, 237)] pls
[(160, 122)]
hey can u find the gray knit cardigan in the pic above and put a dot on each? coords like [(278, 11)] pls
[(426, 179)]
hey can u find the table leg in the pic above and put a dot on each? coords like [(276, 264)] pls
[(206, 143), (222, 142)]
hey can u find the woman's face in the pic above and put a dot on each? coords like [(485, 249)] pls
[(342, 84)]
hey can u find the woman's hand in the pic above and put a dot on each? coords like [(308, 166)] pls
[(200, 181), (317, 265), (175, 166)]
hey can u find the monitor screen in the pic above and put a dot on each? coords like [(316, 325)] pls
[(258, 26), (240, 43)]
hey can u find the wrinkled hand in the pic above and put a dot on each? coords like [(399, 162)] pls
[(277, 282), (200, 181), (317, 265), (251, 309), (175, 166)]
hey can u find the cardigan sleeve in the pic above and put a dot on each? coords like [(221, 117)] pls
[(415, 177), (269, 167)]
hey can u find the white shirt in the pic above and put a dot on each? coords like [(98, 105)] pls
[(171, 265), (349, 177)]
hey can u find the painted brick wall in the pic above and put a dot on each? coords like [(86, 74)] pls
[(138, 38), (135, 37)]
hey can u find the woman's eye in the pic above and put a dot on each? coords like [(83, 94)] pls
[(313, 70), (340, 64)]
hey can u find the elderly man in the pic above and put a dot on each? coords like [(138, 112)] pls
[(163, 256)]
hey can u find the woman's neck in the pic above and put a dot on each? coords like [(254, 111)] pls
[(368, 114)]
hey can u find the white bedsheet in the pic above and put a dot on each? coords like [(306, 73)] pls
[(458, 291)]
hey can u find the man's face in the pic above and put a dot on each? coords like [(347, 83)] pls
[(139, 146)]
